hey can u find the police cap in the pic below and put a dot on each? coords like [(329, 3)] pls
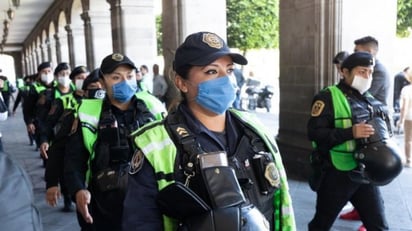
[(202, 48), (111, 62), (78, 70), (363, 59)]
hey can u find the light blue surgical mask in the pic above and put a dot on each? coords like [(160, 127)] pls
[(216, 95), (124, 90)]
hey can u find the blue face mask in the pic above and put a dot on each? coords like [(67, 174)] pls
[(124, 90), (216, 95)]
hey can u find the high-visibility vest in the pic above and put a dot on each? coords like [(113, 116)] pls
[(89, 112), (342, 154)]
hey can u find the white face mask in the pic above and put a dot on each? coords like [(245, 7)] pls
[(361, 84), (64, 80), (79, 83), (47, 78)]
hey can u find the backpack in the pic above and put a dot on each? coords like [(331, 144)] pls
[(18, 211)]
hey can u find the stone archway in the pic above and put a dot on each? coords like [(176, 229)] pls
[(62, 42)]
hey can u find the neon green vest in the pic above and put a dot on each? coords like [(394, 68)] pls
[(154, 105), (89, 114), (38, 87), (5, 86), (20, 83), (160, 151), (342, 154)]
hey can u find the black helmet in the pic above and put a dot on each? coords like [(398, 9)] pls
[(378, 163)]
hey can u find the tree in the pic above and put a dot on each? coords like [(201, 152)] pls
[(404, 21), (252, 24), (159, 34)]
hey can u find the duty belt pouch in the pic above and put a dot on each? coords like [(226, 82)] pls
[(222, 186), (112, 178), (223, 219), (180, 202)]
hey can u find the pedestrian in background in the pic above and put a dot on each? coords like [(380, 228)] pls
[(240, 81), (380, 76), (159, 84), (405, 119), (400, 81), (338, 59)]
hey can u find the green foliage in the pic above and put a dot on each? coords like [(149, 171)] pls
[(253, 24), (404, 21), (159, 34)]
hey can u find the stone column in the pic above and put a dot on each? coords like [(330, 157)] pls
[(51, 50), (117, 25), (88, 40), (195, 15), (79, 45), (70, 44), (179, 19), (43, 49), (134, 29), (58, 49), (98, 44), (37, 53)]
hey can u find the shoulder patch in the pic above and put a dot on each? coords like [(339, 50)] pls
[(317, 108), (137, 162)]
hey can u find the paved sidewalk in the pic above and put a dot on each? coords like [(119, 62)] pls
[(397, 195)]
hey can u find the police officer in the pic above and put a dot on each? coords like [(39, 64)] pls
[(43, 81), (6, 90), (53, 138), (98, 151), (345, 121), (206, 167), (61, 86)]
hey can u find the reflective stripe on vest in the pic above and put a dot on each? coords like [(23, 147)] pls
[(161, 152), (89, 115), (342, 154), (5, 86), (69, 102), (39, 87), (154, 105)]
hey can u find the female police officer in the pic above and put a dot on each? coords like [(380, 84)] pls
[(206, 167), (97, 153)]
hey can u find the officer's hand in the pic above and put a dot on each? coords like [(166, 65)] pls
[(362, 130), (53, 195), (82, 200), (44, 147), (31, 128)]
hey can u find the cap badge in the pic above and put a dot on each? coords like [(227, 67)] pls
[(83, 69), (212, 40), (117, 57)]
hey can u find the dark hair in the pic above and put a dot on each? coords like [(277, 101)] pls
[(184, 71), (339, 57), (367, 40), (406, 69), (144, 67)]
